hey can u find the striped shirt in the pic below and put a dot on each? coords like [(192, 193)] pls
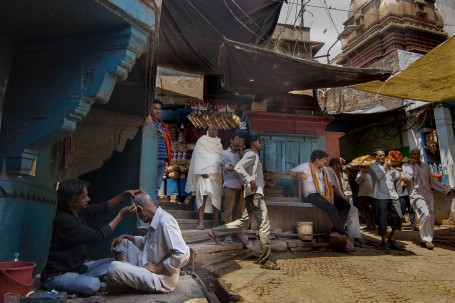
[(162, 151)]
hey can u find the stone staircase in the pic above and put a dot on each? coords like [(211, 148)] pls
[(205, 253)]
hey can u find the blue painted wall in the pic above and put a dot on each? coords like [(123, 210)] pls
[(27, 208), (67, 55)]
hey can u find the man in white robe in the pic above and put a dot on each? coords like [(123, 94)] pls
[(419, 178), (205, 175)]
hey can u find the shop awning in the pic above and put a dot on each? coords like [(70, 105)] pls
[(247, 69), (431, 78)]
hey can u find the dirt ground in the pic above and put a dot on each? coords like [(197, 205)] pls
[(413, 274)]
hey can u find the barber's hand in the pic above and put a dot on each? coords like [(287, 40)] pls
[(128, 210), (117, 241), (133, 192), (157, 269), (253, 186), (205, 176)]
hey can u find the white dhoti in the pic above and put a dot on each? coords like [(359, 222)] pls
[(423, 203), (206, 161), (210, 187), (353, 223)]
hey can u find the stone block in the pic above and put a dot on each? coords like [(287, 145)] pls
[(278, 245)]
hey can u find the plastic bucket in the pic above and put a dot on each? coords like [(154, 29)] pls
[(15, 277), (305, 231)]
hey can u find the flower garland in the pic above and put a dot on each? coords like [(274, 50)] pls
[(316, 183)]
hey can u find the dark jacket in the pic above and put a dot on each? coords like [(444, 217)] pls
[(70, 236)]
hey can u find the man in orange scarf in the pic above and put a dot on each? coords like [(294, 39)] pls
[(164, 141), (318, 191)]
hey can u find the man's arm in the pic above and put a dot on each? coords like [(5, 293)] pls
[(247, 160)]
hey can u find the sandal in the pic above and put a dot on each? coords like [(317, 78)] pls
[(270, 265), (213, 237), (349, 247), (228, 240), (200, 227)]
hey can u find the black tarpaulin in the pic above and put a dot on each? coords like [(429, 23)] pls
[(247, 69), (191, 31)]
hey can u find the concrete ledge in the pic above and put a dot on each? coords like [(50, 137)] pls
[(285, 215)]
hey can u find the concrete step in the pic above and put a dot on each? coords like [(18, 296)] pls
[(192, 223), (210, 255), (182, 214), (195, 235), (177, 206)]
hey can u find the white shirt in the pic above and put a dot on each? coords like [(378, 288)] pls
[(365, 184), (249, 168), (164, 241), (308, 184)]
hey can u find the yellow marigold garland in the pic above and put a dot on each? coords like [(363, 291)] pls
[(326, 183)]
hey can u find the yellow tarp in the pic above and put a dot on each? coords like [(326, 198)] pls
[(431, 78)]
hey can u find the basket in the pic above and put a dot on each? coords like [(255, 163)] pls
[(15, 277)]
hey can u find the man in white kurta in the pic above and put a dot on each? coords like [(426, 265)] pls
[(152, 262), (419, 178), (205, 175)]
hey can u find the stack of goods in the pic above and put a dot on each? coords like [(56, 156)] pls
[(362, 161), (395, 157)]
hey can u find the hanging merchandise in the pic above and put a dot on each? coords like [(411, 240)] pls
[(223, 120), (432, 141)]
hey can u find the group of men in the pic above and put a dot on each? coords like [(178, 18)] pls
[(152, 262), (212, 169), (322, 188)]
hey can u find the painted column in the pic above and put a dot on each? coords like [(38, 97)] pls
[(444, 127)]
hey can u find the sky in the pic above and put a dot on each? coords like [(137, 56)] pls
[(317, 18)]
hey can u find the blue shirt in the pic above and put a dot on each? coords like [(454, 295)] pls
[(162, 151), (231, 178)]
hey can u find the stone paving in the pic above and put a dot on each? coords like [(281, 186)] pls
[(413, 274)]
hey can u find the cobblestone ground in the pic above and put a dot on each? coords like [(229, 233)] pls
[(413, 274)]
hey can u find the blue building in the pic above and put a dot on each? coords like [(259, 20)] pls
[(70, 72)]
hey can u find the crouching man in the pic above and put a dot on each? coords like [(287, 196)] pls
[(150, 263)]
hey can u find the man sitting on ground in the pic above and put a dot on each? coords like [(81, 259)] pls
[(150, 263)]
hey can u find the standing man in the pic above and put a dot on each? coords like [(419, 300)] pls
[(250, 171), (419, 177), (233, 191), (150, 263), (204, 175), (386, 201), (366, 195), (164, 142), (66, 268)]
